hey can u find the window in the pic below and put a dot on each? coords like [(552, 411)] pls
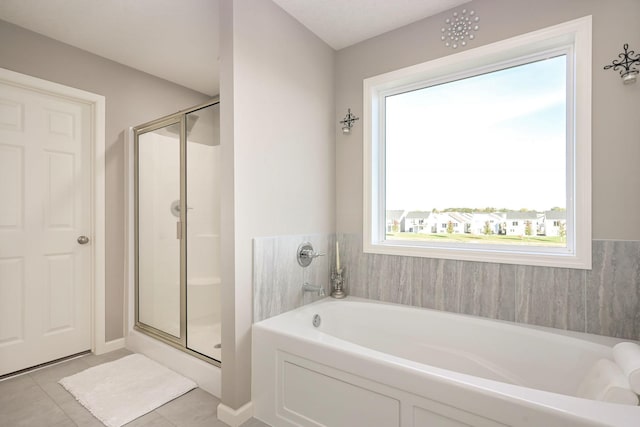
[(497, 134)]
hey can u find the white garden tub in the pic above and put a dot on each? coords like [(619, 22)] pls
[(373, 364)]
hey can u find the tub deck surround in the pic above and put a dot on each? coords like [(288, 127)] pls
[(377, 364)]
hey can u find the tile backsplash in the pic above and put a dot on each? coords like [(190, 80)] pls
[(604, 300), (278, 278)]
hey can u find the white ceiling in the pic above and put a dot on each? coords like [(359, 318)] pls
[(342, 23), (177, 40)]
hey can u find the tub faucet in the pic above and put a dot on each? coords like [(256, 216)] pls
[(311, 288)]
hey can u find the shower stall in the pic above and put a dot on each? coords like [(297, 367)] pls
[(177, 230)]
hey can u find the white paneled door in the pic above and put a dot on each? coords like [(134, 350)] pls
[(45, 220)]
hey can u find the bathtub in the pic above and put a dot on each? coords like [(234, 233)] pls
[(377, 364)]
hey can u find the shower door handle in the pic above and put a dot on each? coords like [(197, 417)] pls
[(178, 230)]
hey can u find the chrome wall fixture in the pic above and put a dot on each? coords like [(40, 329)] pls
[(305, 254), (626, 64), (347, 122)]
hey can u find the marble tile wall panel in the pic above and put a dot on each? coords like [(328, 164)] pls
[(278, 278), (553, 297), (441, 284), (380, 277), (392, 278), (355, 264), (463, 287), (613, 289), (488, 290), (605, 300)]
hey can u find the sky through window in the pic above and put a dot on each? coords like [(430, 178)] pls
[(493, 140)]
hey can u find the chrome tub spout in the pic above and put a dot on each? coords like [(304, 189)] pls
[(311, 288)]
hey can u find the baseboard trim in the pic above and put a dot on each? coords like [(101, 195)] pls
[(112, 345), (235, 417)]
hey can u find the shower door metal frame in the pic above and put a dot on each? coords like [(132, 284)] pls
[(137, 132), (181, 118)]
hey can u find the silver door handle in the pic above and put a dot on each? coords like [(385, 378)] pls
[(83, 240)]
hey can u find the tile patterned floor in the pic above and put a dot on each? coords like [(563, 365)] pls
[(36, 399)]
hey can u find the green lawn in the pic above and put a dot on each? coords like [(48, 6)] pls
[(480, 238)]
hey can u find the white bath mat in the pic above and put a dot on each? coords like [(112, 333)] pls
[(123, 390)]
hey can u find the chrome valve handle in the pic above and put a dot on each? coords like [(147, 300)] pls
[(306, 254)]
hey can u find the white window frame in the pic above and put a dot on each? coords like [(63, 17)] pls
[(573, 38)]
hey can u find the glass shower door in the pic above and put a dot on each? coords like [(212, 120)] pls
[(159, 227), (203, 231), (177, 225)]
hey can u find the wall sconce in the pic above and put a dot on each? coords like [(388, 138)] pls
[(627, 63), (347, 122)]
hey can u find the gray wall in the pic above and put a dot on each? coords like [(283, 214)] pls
[(604, 300), (616, 149), (277, 139), (132, 98)]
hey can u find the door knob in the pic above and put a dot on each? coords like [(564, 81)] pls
[(83, 240)]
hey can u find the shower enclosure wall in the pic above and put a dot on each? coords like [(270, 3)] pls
[(177, 229)]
